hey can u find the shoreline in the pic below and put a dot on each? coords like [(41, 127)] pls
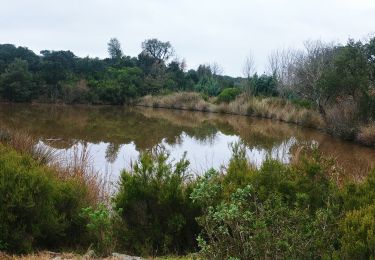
[(209, 108)]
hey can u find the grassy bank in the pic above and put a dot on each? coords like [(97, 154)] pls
[(268, 107), (273, 108)]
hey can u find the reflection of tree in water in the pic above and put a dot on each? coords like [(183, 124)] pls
[(204, 133), (61, 127), (112, 151)]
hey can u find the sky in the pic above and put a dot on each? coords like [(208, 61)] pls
[(201, 31)]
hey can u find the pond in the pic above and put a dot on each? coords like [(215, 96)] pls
[(114, 136)]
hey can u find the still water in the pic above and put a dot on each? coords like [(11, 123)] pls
[(114, 136)]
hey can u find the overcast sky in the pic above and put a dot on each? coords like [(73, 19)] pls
[(201, 31)]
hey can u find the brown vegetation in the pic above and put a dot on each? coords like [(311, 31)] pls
[(367, 134), (273, 108)]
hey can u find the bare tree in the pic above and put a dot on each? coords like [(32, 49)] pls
[(248, 68), (281, 64), (216, 69), (309, 70)]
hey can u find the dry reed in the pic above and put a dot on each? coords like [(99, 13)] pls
[(273, 108), (367, 134)]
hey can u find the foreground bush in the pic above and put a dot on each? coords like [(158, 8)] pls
[(37, 210), (158, 215), (293, 211), (277, 211), (358, 233)]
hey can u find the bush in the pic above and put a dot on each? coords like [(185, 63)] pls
[(278, 210), (36, 209), (158, 215), (101, 228), (358, 234), (228, 95)]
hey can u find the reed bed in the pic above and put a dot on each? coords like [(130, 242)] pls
[(272, 108)]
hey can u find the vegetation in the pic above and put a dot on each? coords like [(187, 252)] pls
[(270, 107), (335, 81), (297, 210), (284, 211), (37, 208), (157, 212)]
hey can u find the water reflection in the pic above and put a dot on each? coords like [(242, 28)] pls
[(116, 135)]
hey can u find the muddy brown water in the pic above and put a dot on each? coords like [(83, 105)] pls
[(114, 136)]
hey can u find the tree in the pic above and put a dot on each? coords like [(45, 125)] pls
[(249, 66), (56, 66), (312, 73), (9, 52), (160, 51), (216, 69), (16, 84), (248, 71), (281, 64), (114, 49)]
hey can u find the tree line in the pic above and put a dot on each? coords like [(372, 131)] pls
[(338, 80), (61, 76)]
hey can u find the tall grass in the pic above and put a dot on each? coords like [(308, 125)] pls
[(77, 166), (367, 134), (273, 108)]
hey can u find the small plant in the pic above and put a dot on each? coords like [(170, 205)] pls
[(100, 228)]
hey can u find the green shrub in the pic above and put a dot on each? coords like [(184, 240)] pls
[(36, 209), (247, 227), (358, 195), (302, 103), (228, 95), (358, 234), (101, 223), (289, 211), (158, 215)]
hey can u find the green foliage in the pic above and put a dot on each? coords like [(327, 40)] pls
[(278, 210), (358, 233), (37, 209), (158, 215), (114, 49), (209, 86), (263, 85), (229, 94), (16, 83), (100, 225), (302, 103), (289, 211)]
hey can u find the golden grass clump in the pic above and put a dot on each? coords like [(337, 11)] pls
[(273, 108), (366, 134)]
